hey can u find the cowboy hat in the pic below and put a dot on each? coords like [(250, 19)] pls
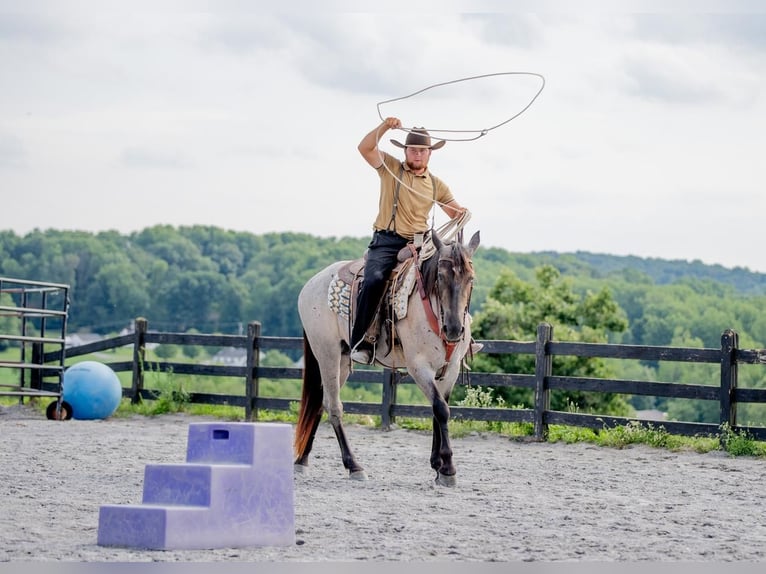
[(419, 137)]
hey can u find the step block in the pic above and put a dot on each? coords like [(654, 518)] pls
[(189, 484), (237, 443), (152, 527), (235, 490)]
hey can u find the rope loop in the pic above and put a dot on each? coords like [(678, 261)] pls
[(452, 227)]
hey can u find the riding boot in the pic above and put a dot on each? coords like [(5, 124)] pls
[(366, 308)]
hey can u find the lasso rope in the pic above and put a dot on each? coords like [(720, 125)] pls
[(483, 131), (453, 226)]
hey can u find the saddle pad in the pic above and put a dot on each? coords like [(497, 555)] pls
[(340, 289), (339, 296), (403, 291)]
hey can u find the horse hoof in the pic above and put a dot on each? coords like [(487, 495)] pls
[(446, 480), (357, 475), (301, 468)]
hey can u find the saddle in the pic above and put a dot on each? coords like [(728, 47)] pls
[(344, 288)]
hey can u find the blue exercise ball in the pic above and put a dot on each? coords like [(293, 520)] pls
[(92, 389)]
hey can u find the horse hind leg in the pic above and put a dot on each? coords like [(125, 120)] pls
[(334, 415), (355, 470), (302, 461), (334, 409)]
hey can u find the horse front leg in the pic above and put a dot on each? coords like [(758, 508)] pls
[(441, 449), (436, 444)]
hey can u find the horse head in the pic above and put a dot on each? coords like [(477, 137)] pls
[(450, 275)]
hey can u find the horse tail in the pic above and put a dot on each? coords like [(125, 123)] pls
[(311, 401)]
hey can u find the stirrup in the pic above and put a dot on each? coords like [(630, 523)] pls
[(474, 349), (364, 355)]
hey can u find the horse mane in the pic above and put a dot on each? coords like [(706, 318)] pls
[(430, 267)]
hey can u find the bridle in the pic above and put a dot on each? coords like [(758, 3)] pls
[(435, 323)]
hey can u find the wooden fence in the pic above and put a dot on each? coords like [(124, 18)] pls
[(542, 382)]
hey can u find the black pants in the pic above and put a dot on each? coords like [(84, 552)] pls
[(381, 260)]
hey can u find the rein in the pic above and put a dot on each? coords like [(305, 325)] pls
[(433, 321)]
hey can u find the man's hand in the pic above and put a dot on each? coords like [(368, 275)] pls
[(368, 147), (392, 123)]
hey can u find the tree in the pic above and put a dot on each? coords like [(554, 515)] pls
[(199, 299), (166, 351), (514, 309), (191, 351), (9, 324), (118, 291)]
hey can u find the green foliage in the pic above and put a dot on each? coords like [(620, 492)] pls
[(214, 280), (481, 397), (514, 309), (191, 351), (634, 433), (740, 443), (570, 435), (166, 351), (172, 397), (275, 358), (180, 278), (477, 397), (9, 325), (484, 398)]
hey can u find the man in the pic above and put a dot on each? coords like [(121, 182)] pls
[(407, 192)]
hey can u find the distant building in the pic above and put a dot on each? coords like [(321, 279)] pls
[(651, 415), (78, 339), (130, 329), (231, 356)]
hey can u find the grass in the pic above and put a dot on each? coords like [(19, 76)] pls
[(174, 397), (730, 441), (634, 433)]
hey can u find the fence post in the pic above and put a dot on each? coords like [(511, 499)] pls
[(139, 356), (390, 379), (36, 375), (729, 345), (252, 362), (543, 369)]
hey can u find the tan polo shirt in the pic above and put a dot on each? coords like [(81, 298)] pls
[(413, 208)]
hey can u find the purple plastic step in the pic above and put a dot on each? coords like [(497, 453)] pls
[(235, 490)]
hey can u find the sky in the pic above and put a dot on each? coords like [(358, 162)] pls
[(647, 138)]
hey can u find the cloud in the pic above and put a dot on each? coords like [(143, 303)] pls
[(659, 78), (29, 28), (324, 50), (737, 30), (12, 152), (144, 158), (517, 30), (243, 33), (638, 111)]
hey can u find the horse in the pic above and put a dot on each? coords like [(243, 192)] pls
[(431, 341)]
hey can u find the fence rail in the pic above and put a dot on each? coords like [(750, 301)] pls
[(542, 382)]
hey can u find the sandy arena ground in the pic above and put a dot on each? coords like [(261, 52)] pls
[(514, 501)]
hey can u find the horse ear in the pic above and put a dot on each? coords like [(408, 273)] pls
[(474, 243)]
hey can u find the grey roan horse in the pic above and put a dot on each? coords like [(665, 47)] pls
[(430, 342)]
